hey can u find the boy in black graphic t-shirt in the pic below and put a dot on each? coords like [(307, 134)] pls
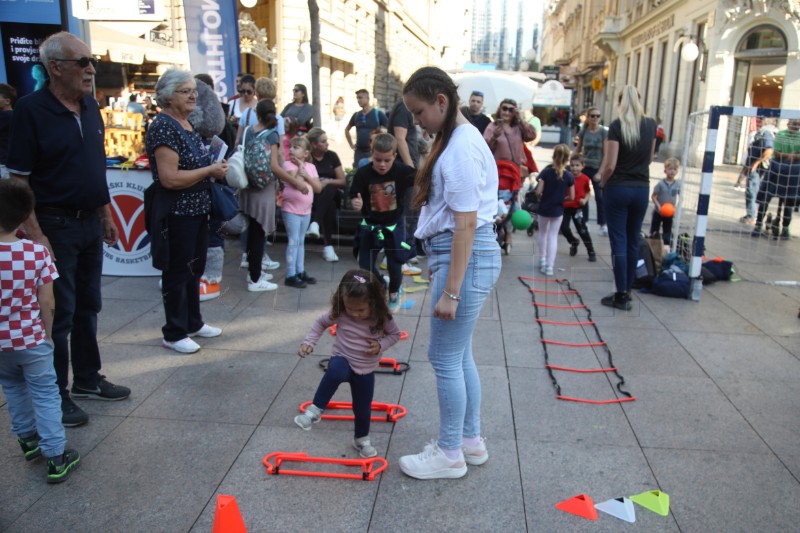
[(378, 190)]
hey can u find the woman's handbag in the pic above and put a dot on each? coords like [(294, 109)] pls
[(223, 201), (236, 176)]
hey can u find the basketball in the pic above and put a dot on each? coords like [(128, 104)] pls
[(667, 210), (521, 219)]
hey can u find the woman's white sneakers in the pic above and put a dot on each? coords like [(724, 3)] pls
[(476, 456), (263, 284), (186, 345), (432, 463), (328, 254), (313, 230)]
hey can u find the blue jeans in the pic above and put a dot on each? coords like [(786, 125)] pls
[(34, 403), (296, 226), (750, 193), (78, 248), (598, 199), (180, 283), (625, 209), (458, 385), (362, 387)]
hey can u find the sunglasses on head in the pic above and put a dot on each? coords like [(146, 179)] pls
[(82, 62), (508, 108)]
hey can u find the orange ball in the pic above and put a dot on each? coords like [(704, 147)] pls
[(667, 210)]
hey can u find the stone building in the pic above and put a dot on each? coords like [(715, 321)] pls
[(683, 55)]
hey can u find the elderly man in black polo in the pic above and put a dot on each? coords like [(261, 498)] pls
[(57, 148)]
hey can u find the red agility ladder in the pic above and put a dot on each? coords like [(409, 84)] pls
[(393, 411), (369, 467)]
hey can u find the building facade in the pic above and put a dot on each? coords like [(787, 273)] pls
[(683, 55)]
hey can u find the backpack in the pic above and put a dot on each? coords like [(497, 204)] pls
[(645, 265), (258, 159)]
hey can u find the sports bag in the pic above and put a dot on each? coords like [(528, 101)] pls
[(645, 266), (672, 283), (258, 159)]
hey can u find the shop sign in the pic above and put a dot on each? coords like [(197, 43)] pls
[(39, 11), (551, 72), (131, 255), (552, 93), (132, 10), (653, 31)]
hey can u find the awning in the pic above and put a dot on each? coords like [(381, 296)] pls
[(122, 48)]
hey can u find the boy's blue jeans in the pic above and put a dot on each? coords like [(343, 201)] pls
[(34, 403), (750, 193), (625, 209), (362, 388), (458, 385)]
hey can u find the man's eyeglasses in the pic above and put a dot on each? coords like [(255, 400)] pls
[(82, 62), (187, 92), (594, 116), (508, 108), (246, 91)]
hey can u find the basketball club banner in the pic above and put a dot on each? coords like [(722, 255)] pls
[(131, 255), (213, 37)]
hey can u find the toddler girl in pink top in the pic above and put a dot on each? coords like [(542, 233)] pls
[(365, 328), (296, 211)]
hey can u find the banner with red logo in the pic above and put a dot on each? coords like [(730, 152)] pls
[(131, 255)]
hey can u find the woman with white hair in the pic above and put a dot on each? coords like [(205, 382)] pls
[(181, 167), (625, 178)]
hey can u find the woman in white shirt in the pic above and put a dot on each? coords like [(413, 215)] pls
[(457, 194)]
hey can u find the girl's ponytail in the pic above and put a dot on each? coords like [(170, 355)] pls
[(561, 155)]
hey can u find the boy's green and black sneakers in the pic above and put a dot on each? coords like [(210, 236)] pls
[(30, 447), (59, 468)]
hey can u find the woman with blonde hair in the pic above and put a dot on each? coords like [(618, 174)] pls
[(456, 190), (625, 177)]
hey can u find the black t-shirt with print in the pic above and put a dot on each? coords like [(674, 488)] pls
[(382, 194)]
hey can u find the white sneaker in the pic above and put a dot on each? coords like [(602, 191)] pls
[(548, 271), (269, 264), (365, 447), (263, 284), (207, 332), (313, 230), (542, 263), (312, 415), (477, 455), (386, 281), (411, 270), (328, 254), (432, 463), (186, 345), (604, 230), (414, 260), (244, 263)]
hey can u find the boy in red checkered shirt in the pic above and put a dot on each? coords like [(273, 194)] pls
[(26, 320)]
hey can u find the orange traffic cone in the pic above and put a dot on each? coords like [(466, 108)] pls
[(580, 505), (227, 518)]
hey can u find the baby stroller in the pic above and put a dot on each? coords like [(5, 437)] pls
[(509, 183)]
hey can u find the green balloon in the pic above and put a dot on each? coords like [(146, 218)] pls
[(521, 219)]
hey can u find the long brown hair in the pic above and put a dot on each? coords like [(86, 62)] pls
[(362, 284), (425, 84)]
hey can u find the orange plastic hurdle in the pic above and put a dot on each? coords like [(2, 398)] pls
[(387, 365), (393, 411), (369, 467)]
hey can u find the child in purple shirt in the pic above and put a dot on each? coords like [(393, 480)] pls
[(365, 328)]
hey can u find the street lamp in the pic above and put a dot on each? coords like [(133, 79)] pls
[(690, 51), (249, 3)]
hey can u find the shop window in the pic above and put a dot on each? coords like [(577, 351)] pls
[(762, 41)]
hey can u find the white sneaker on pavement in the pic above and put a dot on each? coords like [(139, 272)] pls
[(411, 270), (186, 345), (312, 415), (313, 230), (244, 263), (328, 254), (432, 463), (263, 284), (207, 332), (477, 455), (269, 264)]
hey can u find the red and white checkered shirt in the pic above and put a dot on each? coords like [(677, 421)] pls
[(24, 267)]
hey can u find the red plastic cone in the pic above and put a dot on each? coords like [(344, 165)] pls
[(227, 518), (580, 505)]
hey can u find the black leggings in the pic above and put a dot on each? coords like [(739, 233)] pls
[(256, 239), (323, 212)]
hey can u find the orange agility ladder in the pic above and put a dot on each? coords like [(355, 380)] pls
[(393, 411), (574, 307), (369, 467)]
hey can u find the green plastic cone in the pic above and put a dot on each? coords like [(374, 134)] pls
[(653, 500)]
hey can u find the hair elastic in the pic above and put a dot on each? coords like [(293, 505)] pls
[(360, 279)]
